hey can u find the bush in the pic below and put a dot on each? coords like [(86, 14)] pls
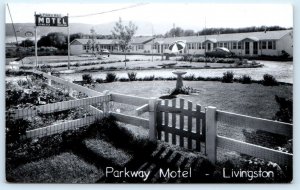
[(99, 80), (87, 78), (110, 77), (228, 77), (190, 77), (245, 79), (15, 129), (149, 78), (269, 80), (183, 90), (285, 113), (132, 76), (123, 79)]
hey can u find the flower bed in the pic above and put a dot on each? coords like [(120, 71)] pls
[(33, 91)]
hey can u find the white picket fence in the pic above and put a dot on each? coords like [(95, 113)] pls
[(199, 127)]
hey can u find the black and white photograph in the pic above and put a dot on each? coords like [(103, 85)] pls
[(148, 93)]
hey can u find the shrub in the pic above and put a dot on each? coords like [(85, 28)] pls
[(183, 90), (285, 113), (15, 129), (123, 80), (227, 77), (269, 80), (110, 77), (245, 79), (132, 76), (149, 78), (190, 77), (99, 80), (87, 78)]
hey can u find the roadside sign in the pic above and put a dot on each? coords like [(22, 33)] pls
[(53, 20)]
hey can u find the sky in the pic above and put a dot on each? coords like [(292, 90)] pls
[(186, 15)]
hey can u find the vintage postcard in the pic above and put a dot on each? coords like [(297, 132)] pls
[(149, 93)]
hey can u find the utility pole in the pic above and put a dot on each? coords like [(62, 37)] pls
[(35, 44), (68, 42), (205, 41)]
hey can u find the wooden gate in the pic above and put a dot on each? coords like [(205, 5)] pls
[(180, 123)]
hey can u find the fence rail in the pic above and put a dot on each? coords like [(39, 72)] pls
[(137, 121), (279, 157), (245, 121), (56, 107), (61, 127)]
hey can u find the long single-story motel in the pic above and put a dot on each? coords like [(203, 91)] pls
[(270, 43)]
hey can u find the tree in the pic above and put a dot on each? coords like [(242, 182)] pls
[(93, 42), (55, 39), (189, 33), (124, 34), (75, 36), (27, 43), (175, 32)]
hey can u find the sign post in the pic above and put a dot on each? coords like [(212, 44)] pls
[(51, 20), (68, 45)]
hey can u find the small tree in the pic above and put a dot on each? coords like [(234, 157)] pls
[(124, 34)]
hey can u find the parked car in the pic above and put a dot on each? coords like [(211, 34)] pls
[(220, 52), (104, 52)]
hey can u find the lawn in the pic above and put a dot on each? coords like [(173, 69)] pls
[(63, 168), (248, 99)]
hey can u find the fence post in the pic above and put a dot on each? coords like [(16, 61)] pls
[(106, 104), (152, 119), (49, 80), (70, 90), (211, 134)]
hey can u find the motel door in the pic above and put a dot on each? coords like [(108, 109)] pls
[(255, 48), (247, 49)]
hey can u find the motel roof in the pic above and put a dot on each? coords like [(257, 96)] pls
[(141, 39), (255, 36), (98, 41)]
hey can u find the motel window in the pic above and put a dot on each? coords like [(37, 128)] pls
[(215, 45), (193, 46), (225, 45), (203, 46), (199, 45), (239, 45), (220, 44), (263, 45), (141, 47), (153, 46), (270, 44), (189, 46), (274, 44), (233, 45)]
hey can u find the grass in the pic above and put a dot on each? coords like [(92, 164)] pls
[(63, 168), (233, 97), (107, 151)]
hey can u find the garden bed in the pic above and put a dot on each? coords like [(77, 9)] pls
[(33, 91)]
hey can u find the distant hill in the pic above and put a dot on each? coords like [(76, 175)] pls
[(144, 28)]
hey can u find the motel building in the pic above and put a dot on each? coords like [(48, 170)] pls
[(270, 43), (83, 46)]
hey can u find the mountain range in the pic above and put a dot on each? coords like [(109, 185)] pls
[(144, 28)]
